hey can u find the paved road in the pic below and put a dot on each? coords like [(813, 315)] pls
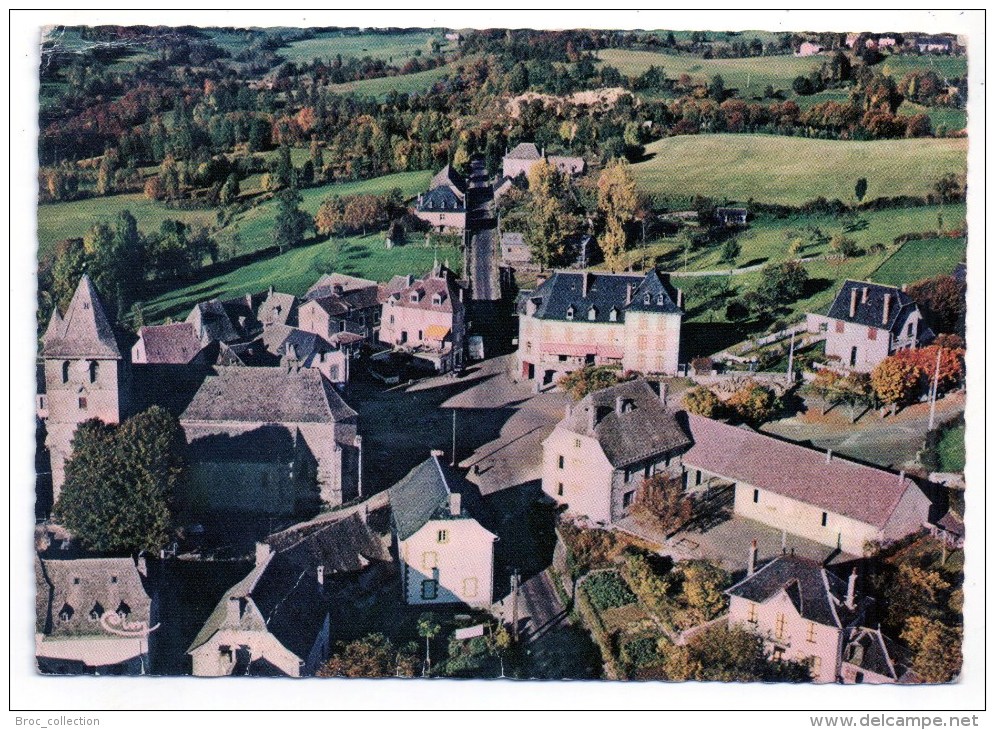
[(481, 228)]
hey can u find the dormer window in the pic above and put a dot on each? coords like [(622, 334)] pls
[(592, 314), (113, 579), (415, 296), (66, 613), (437, 299), (613, 315), (570, 312), (96, 612), (646, 298), (659, 299), (123, 609)]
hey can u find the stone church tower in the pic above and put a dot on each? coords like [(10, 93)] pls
[(85, 374)]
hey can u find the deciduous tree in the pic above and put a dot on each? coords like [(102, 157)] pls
[(896, 381), (373, 656), (661, 498), (702, 402), (617, 201)]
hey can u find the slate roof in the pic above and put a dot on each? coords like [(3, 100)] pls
[(864, 493), (344, 546), (267, 395), (564, 291), (440, 281), (871, 312), (68, 591), (524, 151), (423, 495), (326, 285), (817, 594), (871, 650), (305, 345), (441, 200), (648, 429), (170, 344), (278, 308), (448, 177), (212, 323), (85, 330)]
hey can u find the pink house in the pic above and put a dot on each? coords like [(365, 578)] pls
[(427, 319)]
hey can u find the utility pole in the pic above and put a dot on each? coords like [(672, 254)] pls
[(514, 604), (791, 358), (933, 390), (453, 463)]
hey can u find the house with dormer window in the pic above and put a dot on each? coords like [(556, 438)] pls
[(444, 205)]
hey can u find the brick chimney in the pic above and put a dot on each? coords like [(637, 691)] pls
[(455, 504), (619, 404), (853, 303), (680, 299), (886, 312), (863, 296), (851, 590), (751, 563), (437, 453), (262, 552), (628, 294), (663, 393), (586, 283)]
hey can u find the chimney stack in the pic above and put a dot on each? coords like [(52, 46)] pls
[(592, 417), (863, 296), (751, 565), (628, 294), (680, 299), (829, 455), (663, 393), (853, 302), (454, 504), (585, 278), (851, 590), (886, 312), (901, 477), (437, 453), (321, 575), (619, 404), (262, 552)]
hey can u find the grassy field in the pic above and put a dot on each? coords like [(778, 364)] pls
[(792, 170), (58, 221), (940, 116), (296, 270), (379, 88), (917, 260), (391, 47), (949, 67), (951, 449), (749, 75)]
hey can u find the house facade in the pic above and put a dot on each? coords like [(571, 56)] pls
[(526, 155), (427, 319), (597, 457), (339, 304), (803, 611), (868, 322), (814, 495), (443, 206), (94, 616), (86, 375), (445, 555), (269, 441), (572, 320)]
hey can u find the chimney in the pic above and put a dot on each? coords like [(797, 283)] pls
[(663, 393), (437, 453), (233, 611), (905, 287), (628, 294), (680, 299), (886, 312), (853, 303), (321, 575), (585, 283), (262, 552), (863, 296), (851, 590), (454, 504), (751, 564), (619, 403), (901, 477), (540, 279), (829, 455), (142, 566)]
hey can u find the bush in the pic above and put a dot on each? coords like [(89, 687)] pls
[(754, 403), (608, 590)]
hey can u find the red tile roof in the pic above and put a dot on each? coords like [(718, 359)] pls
[(863, 493)]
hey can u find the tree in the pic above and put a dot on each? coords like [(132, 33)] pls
[(283, 173), (662, 499), (292, 223), (824, 385), (726, 654), (855, 390), (120, 482), (230, 190), (330, 218), (617, 201), (428, 629), (717, 89), (702, 402), (549, 221), (373, 656), (951, 372), (802, 86), (703, 585), (730, 250), (844, 246), (937, 649), (860, 189), (948, 189), (589, 379), (896, 381), (943, 302), (754, 403), (71, 262)]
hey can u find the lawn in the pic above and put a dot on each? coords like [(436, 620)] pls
[(749, 75), (792, 170), (296, 270), (949, 67), (379, 88), (391, 47), (951, 449), (941, 116), (917, 260)]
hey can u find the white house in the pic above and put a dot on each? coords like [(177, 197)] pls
[(446, 556)]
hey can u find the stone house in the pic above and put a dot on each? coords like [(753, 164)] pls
[(269, 441), (228, 321), (427, 319), (731, 217), (445, 555), (276, 621), (597, 457), (167, 344), (572, 320), (340, 304), (868, 322), (526, 155), (278, 308), (803, 611), (808, 49), (94, 616), (86, 374), (444, 205), (297, 347), (815, 495)]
